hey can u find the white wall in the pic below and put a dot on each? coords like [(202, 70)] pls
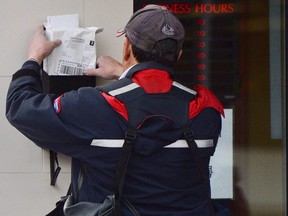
[(24, 168)]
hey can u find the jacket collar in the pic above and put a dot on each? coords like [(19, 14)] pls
[(149, 65)]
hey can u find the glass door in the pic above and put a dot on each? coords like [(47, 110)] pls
[(237, 49)]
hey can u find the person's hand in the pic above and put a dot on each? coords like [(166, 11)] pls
[(107, 68), (40, 47)]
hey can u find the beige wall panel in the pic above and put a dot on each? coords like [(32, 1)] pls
[(29, 194), (18, 154), (19, 20), (111, 15)]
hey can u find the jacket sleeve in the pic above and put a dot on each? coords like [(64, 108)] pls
[(33, 114)]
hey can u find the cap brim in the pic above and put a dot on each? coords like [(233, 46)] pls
[(120, 32)]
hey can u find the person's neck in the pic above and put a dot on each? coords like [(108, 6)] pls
[(131, 61)]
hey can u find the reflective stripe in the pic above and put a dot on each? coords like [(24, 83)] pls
[(108, 143), (123, 89), (184, 88), (118, 143), (183, 144)]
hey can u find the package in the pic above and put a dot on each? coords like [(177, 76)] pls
[(78, 49)]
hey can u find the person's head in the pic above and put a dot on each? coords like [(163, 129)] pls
[(155, 34)]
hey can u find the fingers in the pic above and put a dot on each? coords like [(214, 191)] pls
[(40, 47), (57, 43), (41, 31), (99, 72), (108, 68), (94, 72)]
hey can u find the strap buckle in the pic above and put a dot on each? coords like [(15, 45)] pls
[(188, 132), (131, 134)]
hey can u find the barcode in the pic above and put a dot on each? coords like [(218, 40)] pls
[(71, 70)]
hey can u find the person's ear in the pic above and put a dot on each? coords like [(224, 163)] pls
[(127, 49), (180, 54)]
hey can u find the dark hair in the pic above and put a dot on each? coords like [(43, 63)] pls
[(165, 52)]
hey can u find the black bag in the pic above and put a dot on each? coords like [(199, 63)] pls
[(107, 208), (113, 205), (58, 210)]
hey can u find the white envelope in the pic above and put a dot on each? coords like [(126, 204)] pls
[(78, 49)]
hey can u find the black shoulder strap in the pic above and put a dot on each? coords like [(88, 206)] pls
[(121, 166), (124, 90), (189, 137)]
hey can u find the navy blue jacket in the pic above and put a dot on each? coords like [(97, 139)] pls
[(89, 125)]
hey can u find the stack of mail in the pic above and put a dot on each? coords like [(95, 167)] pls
[(78, 49)]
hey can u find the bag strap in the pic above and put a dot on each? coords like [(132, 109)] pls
[(124, 159), (188, 134), (122, 164), (120, 172), (54, 172)]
